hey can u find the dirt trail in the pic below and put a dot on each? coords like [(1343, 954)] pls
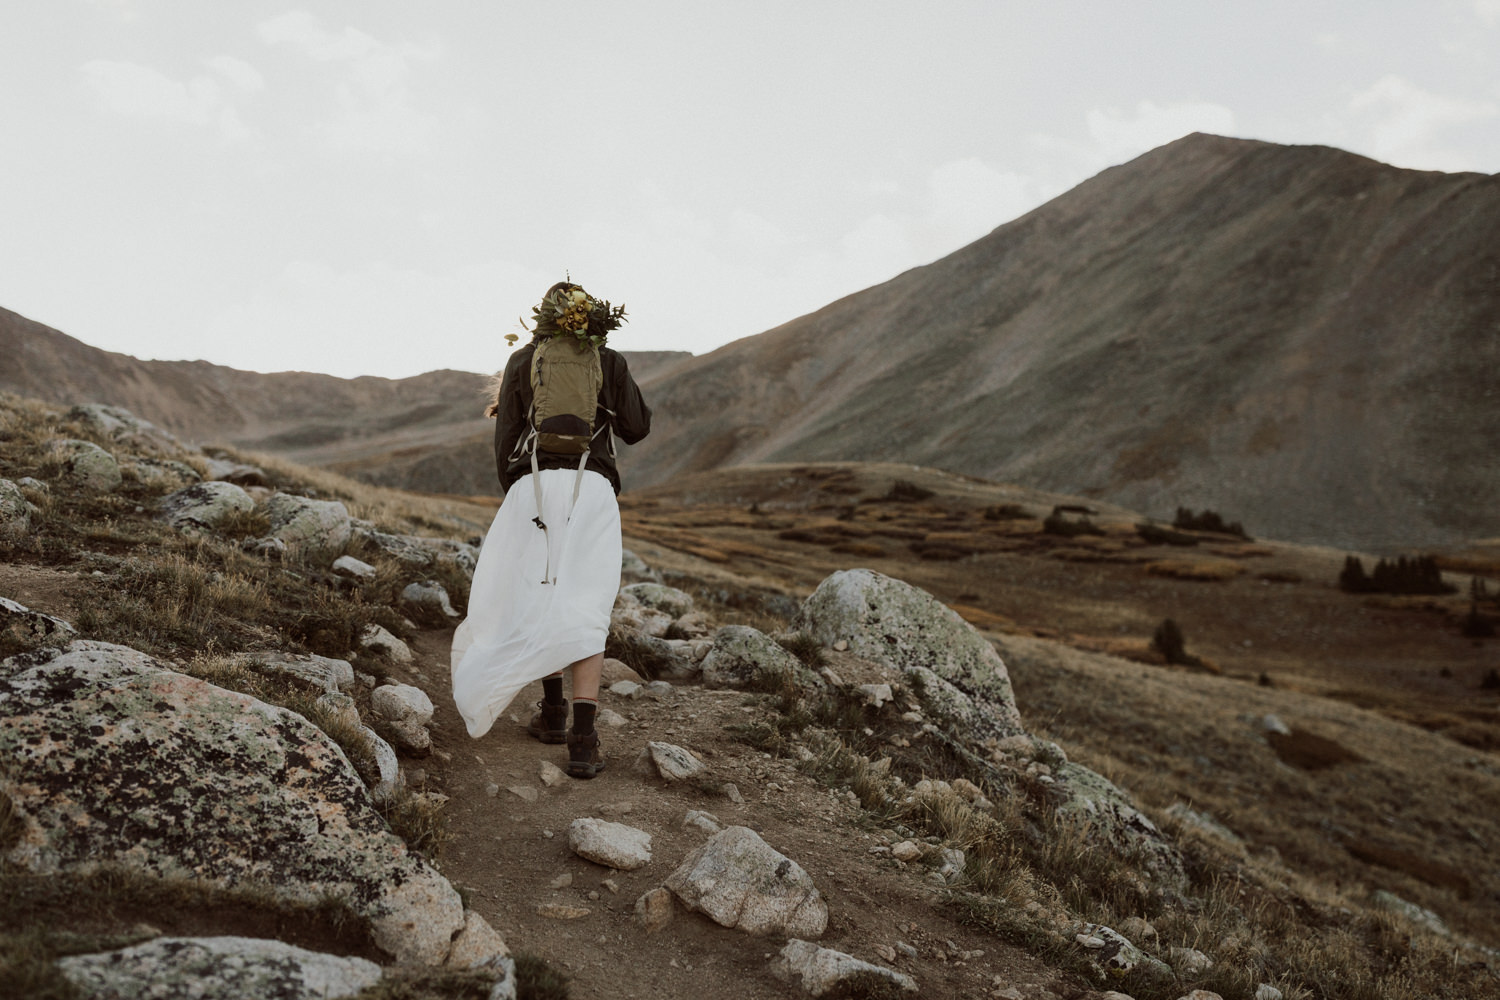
[(507, 852)]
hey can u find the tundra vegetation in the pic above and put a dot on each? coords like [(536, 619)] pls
[(1281, 834)]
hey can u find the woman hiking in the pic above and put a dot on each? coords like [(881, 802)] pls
[(550, 566)]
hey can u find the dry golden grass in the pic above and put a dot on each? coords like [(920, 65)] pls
[(1191, 569)]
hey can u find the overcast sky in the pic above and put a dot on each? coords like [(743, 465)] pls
[(383, 187)]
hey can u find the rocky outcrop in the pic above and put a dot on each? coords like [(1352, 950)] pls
[(329, 673), (218, 967), (117, 760), (126, 429), (204, 506), (318, 530), (740, 881), (430, 597), (960, 678), (746, 658), (87, 465)]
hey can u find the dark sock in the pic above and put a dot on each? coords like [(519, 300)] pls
[(552, 690), (583, 715)]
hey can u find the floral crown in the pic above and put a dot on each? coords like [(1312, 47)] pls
[(571, 310)]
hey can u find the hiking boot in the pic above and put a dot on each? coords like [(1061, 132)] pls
[(550, 725), (584, 759)]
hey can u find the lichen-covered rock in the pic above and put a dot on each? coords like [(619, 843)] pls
[(204, 506), (614, 845), (14, 615), (325, 671), (823, 970), (664, 659), (1109, 949), (1419, 915), (15, 512), (87, 465), (960, 678), (745, 658), (636, 617), (740, 881), (317, 529), (124, 427), (113, 759), (430, 596), (218, 967), (661, 597)]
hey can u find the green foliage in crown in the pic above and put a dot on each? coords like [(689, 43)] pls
[(574, 312)]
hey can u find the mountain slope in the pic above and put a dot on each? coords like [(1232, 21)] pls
[(423, 433), (1299, 337)]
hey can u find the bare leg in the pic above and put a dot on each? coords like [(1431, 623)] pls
[(586, 676)]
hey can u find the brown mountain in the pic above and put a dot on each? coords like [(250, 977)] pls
[(423, 433), (1297, 337)]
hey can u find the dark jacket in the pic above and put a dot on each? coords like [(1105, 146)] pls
[(631, 421)]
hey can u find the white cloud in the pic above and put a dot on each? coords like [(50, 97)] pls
[(142, 92), (1405, 124), (376, 111), (1122, 136), (246, 78), (1488, 11)]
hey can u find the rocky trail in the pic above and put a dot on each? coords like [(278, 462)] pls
[(509, 815)]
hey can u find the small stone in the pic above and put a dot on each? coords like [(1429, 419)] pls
[(609, 717), (906, 949), (906, 851), (876, 694), (611, 885), (377, 640), (551, 775), (561, 911), (594, 894), (525, 792), (1265, 991), (673, 762), (615, 670), (1189, 963), (841, 645), (562, 881), (354, 568), (403, 703), (626, 689), (660, 689), (492, 790), (611, 844), (654, 909), (823, 970), (1089, 941), (731, 791), (886, 952)]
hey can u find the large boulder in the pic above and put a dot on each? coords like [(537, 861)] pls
[(958, 675), (15, 512), (746, 658), (740, 881), (218, 967), (126, 428), (87, 465), (114, 759), (318, 529), (204, 506)]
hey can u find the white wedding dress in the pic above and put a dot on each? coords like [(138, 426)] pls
[(520, 629)]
